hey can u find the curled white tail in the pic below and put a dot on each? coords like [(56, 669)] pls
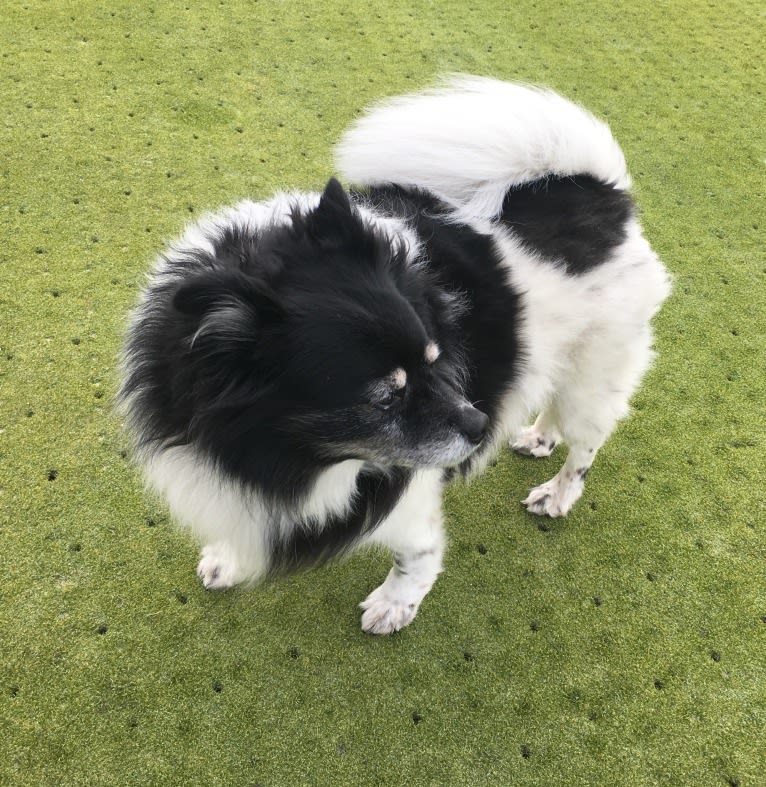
[(471, 139)]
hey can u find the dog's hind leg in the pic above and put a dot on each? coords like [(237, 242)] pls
[(557, 496), (589, 402), (415, 533), (541, 438)]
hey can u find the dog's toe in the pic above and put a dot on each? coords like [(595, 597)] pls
[(532, 442), (556, 497), (216, 569), (543, 502), (383, 615)]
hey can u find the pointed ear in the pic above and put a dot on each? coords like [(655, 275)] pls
[(333, 211)]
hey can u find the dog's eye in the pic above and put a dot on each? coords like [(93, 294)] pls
[(391, 398)]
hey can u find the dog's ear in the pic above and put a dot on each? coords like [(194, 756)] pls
[(196, 297), (227, 294), (333, 212), (225, 315)]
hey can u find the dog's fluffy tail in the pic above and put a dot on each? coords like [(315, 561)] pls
[(472, 138)]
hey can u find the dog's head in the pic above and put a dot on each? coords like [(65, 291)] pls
[(323, 337)]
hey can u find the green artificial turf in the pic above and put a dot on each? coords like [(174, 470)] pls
[(624, 645)]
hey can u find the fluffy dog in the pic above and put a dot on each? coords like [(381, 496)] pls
[(303, 375)]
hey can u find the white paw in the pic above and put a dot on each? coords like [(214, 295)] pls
[(384, 615), (218, 569), (532, 442), (556, 497)]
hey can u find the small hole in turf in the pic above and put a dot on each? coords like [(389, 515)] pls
[(102, 629), (534, 626), (597, 601), (482, 550), (294, 652), (217, 687), (659, 685), (416, 718), (14, 691), (525, 752), (468, 656), (53, 474), (715, 655)]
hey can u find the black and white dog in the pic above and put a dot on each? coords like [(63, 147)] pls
[(302, 375)]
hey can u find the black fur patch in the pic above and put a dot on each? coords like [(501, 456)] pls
[(577, 220), (377, 494)]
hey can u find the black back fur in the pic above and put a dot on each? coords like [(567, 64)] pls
[(576, 220)]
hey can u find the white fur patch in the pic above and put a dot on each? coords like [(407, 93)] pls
[(432, 352), (399, 378), (218, 511)]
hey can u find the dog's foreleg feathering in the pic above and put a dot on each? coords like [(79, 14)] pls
[(415, 534)]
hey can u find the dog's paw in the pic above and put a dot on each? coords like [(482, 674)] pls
[(532, 442), (217, 568), (384, 615), (554, 498)]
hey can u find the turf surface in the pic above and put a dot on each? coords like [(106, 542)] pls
[(624, 645)]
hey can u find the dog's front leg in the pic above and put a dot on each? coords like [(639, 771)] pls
[(415, 533)]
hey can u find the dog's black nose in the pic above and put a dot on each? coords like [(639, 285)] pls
[(473, 424)]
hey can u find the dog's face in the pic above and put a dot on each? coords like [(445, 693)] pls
[(324, 339), (375, 385)]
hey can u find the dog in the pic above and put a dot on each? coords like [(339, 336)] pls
[(303, 375)]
